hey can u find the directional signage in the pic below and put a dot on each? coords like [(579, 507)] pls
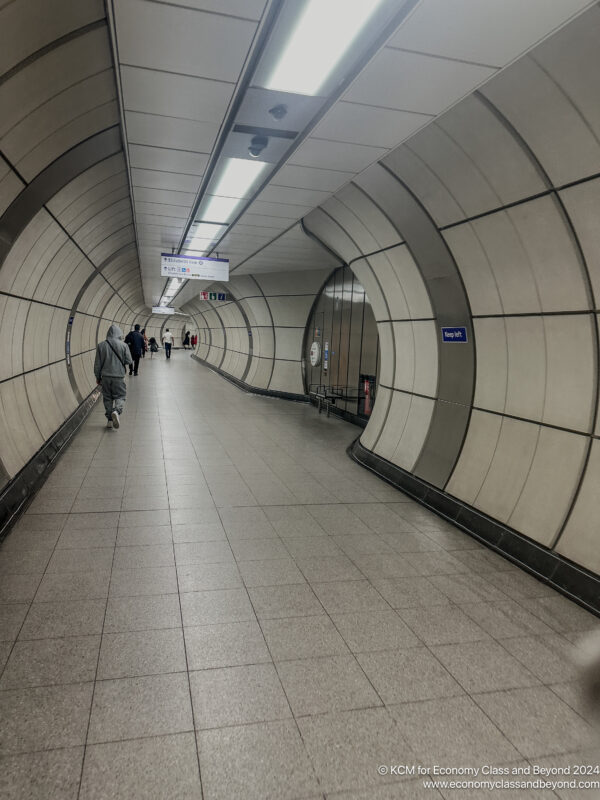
[(214, 296), (194, 268), (454, 335)]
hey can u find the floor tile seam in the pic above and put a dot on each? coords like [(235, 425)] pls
[(187, 666), (141, 594), (450, 604), (157, 736), (519, 602), (521, 662), (133, 676), (26, 687), (87, 731), (327, 614), (551, 686), (473, 698), (72, 598), (356, 659), (455, 678), (297, 717), (285, 694)]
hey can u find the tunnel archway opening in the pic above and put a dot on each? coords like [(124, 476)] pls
[(341, 350)]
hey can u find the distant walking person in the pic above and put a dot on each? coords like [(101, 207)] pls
[(153, 346), (145, 350), (167, 340), (186, 340), (112, 357), (135, 340)]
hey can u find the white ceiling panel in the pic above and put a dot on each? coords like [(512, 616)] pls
[(166, 37), (248, 9), (336, 155), (155, 179), (485, 31), (377, 127), (279, 209), (324, 180), (266, 222), (163, 196), (160, 210), (160, 158), (256, 230), (172, 132), (285, 194), (159, 219), (414, 82), (172, 95)]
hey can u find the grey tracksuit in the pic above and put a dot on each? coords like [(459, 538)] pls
[(109, 369)]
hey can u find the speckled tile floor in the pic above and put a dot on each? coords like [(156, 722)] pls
[(192, 608)]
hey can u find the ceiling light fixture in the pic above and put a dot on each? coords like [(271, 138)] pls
[(234, 184), (220, 208), (238, 176), (204, 234), (324, 32)]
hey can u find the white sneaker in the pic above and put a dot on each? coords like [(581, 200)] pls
[(109, 423), (115, 419)]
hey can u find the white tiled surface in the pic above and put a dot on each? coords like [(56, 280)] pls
[(191, 608)]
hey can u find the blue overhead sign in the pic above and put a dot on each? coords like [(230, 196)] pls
[(454, 335)]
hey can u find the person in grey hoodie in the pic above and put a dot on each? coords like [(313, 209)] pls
[(112, 358)]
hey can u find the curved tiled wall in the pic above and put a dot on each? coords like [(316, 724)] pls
[(488, 219), (256, 336), (68, 259)]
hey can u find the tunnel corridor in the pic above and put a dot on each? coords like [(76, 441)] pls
[(232, 594)]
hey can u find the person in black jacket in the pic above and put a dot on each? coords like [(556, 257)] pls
[(135, 340)]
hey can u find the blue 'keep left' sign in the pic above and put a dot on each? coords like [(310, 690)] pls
[(454, 335)]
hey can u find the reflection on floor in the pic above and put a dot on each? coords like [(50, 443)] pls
[(214, 601)]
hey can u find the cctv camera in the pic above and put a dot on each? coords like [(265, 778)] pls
[(278, 111), (257, 145)]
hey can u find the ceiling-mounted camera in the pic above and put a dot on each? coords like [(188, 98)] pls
[(279, 111), (257, 145)]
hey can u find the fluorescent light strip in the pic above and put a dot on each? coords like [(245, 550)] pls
[(205, 233), (221, 208), (324, 33), (238, 176), (234, 184)]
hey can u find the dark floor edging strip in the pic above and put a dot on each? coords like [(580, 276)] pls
[(563, 575), (247, 387), (16, 495)]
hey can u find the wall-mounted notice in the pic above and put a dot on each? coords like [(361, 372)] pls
[(163, 310), (326, 356), (214, 296), (454, 335), (194, 268)]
